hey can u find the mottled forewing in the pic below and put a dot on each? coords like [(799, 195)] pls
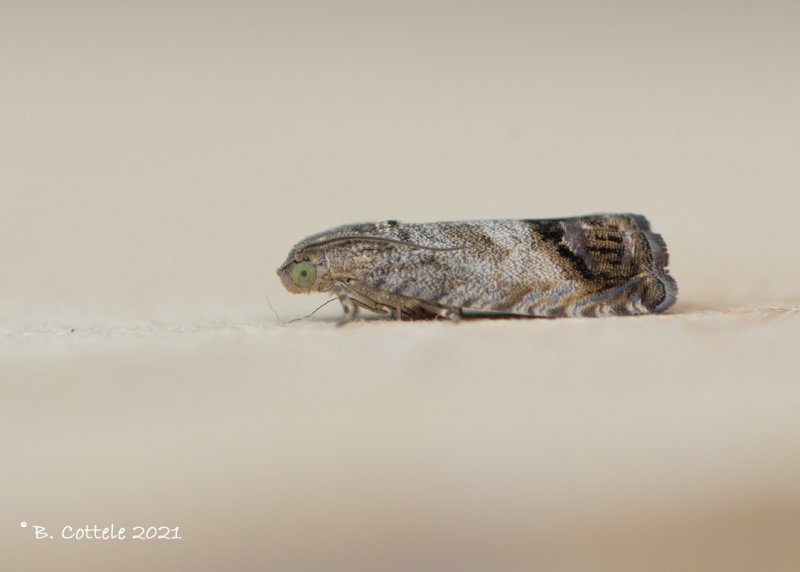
[(616, 266), (596, 265)]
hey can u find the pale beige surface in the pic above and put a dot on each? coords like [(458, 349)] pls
[(159, 161)]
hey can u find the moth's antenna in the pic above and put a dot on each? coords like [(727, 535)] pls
[(325, 303), (282, 323), (274, 311), (385, 241)]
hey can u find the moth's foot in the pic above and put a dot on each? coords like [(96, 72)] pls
[(350, 311), (454, 315), (436, 312)]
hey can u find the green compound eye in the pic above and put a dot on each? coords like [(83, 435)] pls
[(304, 274)]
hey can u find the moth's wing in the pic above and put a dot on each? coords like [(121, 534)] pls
[(584, 266), (613, 221), (619, 272), (441, 264)]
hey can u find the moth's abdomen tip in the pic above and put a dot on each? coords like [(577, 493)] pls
[(662, 289), (664, 293)]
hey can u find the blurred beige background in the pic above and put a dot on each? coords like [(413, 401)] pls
[(159, 159)]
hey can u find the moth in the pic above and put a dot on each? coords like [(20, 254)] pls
[(597, 265)]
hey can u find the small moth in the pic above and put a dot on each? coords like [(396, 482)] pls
[(598, 265)]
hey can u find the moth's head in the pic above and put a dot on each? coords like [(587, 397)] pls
[(304, 271)]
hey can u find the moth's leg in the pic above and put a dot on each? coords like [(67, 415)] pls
[(348, 304), (446, 312), (388, 303), (372, 307), (351, 301), (452, 314), (388, 310)]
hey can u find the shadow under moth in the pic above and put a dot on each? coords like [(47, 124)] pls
[(598, 265)]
